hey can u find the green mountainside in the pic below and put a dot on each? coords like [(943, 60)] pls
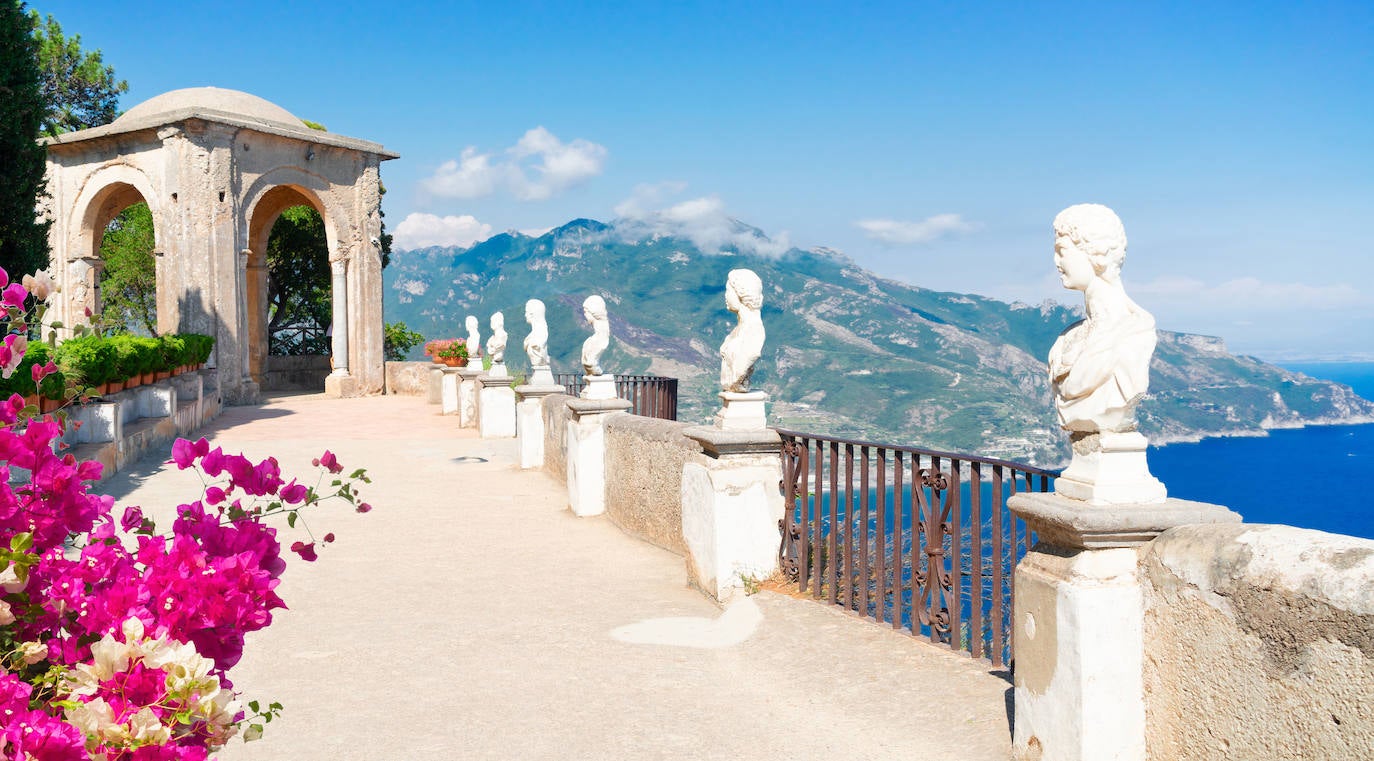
[(848, 353)]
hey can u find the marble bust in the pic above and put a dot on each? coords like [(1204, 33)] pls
[(594, 310), (496, 343), (537, 342), (474, 341), (1099, 366), (740, 350)]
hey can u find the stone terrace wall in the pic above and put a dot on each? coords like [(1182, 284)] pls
[(1259, 643), (644, 459), (408, 378), (556, 415), (305, 372)]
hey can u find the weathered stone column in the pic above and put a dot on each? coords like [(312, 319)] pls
[(731, 505), (496, 407), (586, 443), (467, 394), (339, 383), (529, 421), (435, 393)]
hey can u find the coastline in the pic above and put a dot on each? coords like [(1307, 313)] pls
[(1263, 431)]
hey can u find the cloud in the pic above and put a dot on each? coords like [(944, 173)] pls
[(894, 232), (704, 221), (420, 230), (539, 166), (1250, 294)]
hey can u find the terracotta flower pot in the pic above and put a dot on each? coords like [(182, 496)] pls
[(116, 386), (48, 405), (146, 378), (162, 375)]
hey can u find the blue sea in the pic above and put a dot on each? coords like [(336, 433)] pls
[(1315, 477)]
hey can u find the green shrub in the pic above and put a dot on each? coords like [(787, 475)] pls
[(198, 348), (172, 349), (149, 353), (126, 359), (89, 360)]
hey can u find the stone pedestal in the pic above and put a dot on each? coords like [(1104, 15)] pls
[(340, 385), (435, 394), (542, 375), (100, 422), (742, 411), (599, 387), (529, 422), (731, 505), (467, 394), (498, 370), (586, 445), (449, 397), (1109, 469), (496, 401), (1077, 613)]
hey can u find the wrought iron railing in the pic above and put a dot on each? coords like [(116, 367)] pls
[(652, 395), (296, 340), (916, 538)]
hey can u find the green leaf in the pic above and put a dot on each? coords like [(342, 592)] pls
[(291, 519), (21, 542)]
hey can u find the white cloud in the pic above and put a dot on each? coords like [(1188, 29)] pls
[(1249, 294), (537, 167), (704, 221), (419, 230), (897, 233)]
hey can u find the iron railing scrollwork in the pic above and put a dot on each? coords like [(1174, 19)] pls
[(918, 539)]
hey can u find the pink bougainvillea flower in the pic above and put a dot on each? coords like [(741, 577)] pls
[(14, 295), (363, 507), (293, 493), (306, 551), (132, 518), (39, 284), (329, 461), (329, 538), (12, 353), (213, 495), (185, 452), (39, 372)]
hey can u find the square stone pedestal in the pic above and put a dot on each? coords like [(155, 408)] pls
[(529, 421), (1078, 618), (340, 385), (496, 401), (542, 375), (586, 445), (599, 387), (1110, 469), (731, 505), (467, 395), (742, 411), (450, 384)]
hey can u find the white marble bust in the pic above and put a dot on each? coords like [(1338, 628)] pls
[(537, 342), (1099, 366), (496, 343), (740, 350), (474, 340), (594, 310)]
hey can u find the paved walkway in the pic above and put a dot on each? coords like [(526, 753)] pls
[(472, 616)]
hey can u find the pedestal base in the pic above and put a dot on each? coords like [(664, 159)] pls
[(340, 386), (742, 411), (449, 384), (496, 401), (599, 387), (541, 375), (730, 510), (435, 392), (1110, 469), (467, 395), (529, 421), (498, 370), (586, 445), (1078, 685)]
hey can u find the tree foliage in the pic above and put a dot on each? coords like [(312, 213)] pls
[(397, 341), (128, 286), (23, 237), (80, 89), (298, 283)]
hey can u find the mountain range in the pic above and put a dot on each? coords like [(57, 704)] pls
[(848, 353)]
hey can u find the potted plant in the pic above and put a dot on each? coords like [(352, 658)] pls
[(455, 354)]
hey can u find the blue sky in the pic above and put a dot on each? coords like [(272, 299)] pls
[(933, 142)]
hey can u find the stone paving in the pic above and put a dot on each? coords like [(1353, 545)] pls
[(472, 616)]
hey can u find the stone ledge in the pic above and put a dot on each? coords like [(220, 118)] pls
[(716, 442), (580, 406), (533, 391), (1076, 524)]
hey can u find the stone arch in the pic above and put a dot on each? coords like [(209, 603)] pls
[(265, 205), (105, 193)]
